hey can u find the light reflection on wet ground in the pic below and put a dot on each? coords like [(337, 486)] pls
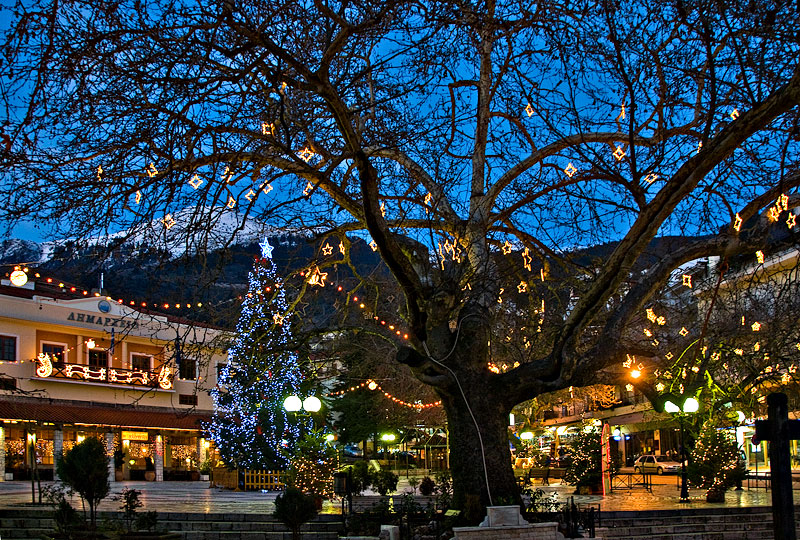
[(198, 497)]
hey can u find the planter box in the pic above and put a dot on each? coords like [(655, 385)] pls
[(9, 476)]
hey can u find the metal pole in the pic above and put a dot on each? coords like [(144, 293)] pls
[(684, 481)]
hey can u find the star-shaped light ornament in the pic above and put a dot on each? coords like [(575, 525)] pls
[(196, 181), (783, 201), (278, 319), (522, 287), (737, 223), (168, 221), (629, 387), (756, 326), (529, 110), (327, 249), (774, 213), (570, 170), (317, 277), (507, 247), (342, 249), (791, 221), (306, 154), (684, 332), (266, 249), (687, 280), (619, 153)]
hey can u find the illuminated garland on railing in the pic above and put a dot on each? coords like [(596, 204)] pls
[(372, 385)]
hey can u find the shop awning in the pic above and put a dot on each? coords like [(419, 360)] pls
[(95, 414)]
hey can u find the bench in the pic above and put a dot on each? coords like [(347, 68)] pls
[(543, 474)]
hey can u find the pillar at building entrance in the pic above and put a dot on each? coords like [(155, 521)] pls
[(159, 461), (58, 450), (2, 453), (110, 454)]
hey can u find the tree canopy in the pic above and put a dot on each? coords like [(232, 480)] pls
[(475, 145)]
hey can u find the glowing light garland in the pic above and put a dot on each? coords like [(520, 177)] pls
[(374, 386), (250, 427)]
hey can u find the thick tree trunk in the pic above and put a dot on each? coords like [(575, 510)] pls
[(481, 466)]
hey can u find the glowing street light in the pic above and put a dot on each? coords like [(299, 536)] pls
[(292, 404), (691, 405)]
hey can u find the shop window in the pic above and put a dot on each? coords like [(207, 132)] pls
[(56, 351), (187, 399), (8, 348), (188, 370), (98, 358), (140, 362)]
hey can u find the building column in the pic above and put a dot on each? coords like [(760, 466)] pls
[(159, 461), (58, 449), (126, 469), (2, 453), (201, 450), (110, 454)]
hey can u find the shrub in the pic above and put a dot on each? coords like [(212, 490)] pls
[(84, 468), (385, 482), (293, 508), (130, 503), (66, 519), (427, 486), (362, 477), (444, 489)]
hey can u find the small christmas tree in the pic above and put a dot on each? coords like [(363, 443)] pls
[(716, 463), (250, 427), (586, 467)]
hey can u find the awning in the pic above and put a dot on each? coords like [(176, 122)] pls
[(60, 412)]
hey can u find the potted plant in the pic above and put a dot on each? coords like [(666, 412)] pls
[(119, 459), (205, 470), (149, 469)]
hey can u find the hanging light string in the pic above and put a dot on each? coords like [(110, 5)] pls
[(374, 386)]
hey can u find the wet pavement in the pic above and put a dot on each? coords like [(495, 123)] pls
[(198, 497)]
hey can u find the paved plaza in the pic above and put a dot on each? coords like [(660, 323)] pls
[(199, 497)]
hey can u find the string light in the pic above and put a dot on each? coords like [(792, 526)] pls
[(374, 386), (737, 223)]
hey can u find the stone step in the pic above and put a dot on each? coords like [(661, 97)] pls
[(17, 533)]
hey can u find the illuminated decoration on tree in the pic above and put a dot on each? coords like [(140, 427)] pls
[(737, 223), (650, 178), (372, 385), (373, 245), (231, 202), (687, 280), (734, 114), (266, 249), (250, 427), (760, 256), (774, 213), (529, 110), (196, 182), (791, 221), (327, 249), (152, 171), (570, 170), (619, 153), (168, 221)]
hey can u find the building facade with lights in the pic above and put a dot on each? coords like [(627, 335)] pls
[(75, 366)]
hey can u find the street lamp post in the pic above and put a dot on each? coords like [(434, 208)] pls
[(689, 406)]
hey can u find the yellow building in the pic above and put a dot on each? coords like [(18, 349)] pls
[(76, 364)]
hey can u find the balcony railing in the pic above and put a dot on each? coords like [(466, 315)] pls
[(48, 368)]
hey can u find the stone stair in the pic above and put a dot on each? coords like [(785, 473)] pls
[(690, 524), (22, 523)]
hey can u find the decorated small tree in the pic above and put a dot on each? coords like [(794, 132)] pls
[(84, 468), (250, 427), (312, 465), (716, 465), (585, 469)]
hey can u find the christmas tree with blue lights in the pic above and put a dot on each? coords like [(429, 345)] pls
[(250, 428)]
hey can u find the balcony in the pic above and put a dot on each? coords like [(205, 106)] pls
[(160, 379)]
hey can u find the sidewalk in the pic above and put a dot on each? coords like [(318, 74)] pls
[(197, 497)]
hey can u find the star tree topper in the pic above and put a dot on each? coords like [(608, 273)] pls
[(266, 249)]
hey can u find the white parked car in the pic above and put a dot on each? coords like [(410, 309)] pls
[(655, 464)]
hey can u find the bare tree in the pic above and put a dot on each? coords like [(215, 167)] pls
[(478, 144)]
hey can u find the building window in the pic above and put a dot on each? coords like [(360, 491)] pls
[(140, 362), (56, 351), (8, 348), (188, 370), (98, 358), (187, 399), (8, 383)]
